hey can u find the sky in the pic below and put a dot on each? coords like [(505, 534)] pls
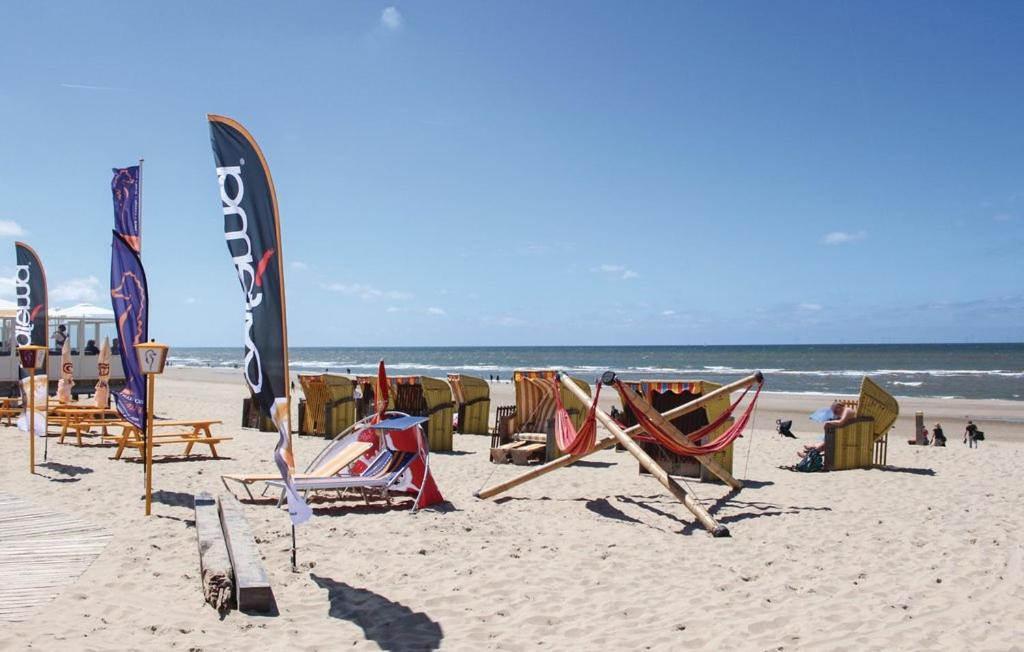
[(537, 173)]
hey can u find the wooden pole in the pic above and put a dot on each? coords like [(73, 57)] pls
[(706, 460), (32, 420), (652, 467), (608, 442), (149, 440)]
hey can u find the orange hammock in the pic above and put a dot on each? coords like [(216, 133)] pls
[(660, 430), (569, 440)]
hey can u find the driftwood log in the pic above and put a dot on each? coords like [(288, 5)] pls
[(252, 584), (214, 563)]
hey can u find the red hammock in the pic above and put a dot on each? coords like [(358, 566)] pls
[(568, 439), (661, 430)]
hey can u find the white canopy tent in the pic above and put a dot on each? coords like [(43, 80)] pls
[(86, 311)]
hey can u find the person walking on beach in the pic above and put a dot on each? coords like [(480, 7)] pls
[(938, 437), (971, 435)]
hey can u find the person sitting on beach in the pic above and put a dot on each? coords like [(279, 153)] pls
[(841, 415), (938, 437)]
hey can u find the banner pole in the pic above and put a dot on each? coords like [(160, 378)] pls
[(46, 410), (295, 568), (141, 160), (32, 420), (149, 440)]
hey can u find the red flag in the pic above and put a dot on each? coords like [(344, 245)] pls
[(382, 390)]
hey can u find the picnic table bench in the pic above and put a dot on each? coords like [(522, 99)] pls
[(81, 418), (189, 433), (10, 409)]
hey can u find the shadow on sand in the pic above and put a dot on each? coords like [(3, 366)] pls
[(905, 469), (70, 471), (391, 625)]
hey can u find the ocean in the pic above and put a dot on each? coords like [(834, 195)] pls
[(932, 370)]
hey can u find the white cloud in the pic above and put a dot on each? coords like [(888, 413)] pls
[(391, 18), (436, 311), (299, 265), (394, 309), (190, 300), (365, 292), (88, 87), (668, 313), (10, 229), (505, 321), (810, 307), (620, 272), (842, 237), (77, 289)]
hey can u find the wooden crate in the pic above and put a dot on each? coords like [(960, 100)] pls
[(253, 417)]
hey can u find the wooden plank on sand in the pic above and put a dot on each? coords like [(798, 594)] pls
[(252, 584), (214, 563)]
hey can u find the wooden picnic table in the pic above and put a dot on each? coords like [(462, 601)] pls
[(10, 409), (82, 418), (189, 433)]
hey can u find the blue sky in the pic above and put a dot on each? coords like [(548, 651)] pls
[(538, 173)]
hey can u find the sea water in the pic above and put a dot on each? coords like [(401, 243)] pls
[(933, 370)]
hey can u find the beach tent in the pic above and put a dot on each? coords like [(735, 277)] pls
[(83, 311), (535, 401), (328, 406), (864, 442), (420, 396), (664, 395), (529, 435), (472, 403), (581, 440), (83, 322)]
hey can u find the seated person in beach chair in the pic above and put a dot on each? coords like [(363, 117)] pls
[(841, 415)]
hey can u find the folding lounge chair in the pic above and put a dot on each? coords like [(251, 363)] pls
[(381, 474), (386, 469), (332, 461)]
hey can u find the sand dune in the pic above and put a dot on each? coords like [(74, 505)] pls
[(925, 555)]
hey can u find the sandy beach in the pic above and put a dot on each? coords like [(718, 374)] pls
[(923, 555)]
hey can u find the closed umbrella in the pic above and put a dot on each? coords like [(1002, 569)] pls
[(103, 384), (67, 370)]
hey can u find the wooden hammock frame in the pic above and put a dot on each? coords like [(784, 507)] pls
[(624, 436)]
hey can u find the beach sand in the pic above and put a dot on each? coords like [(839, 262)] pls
[(924, 555)]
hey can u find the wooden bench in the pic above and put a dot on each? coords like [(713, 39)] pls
[(189, 433), (520, 452)]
